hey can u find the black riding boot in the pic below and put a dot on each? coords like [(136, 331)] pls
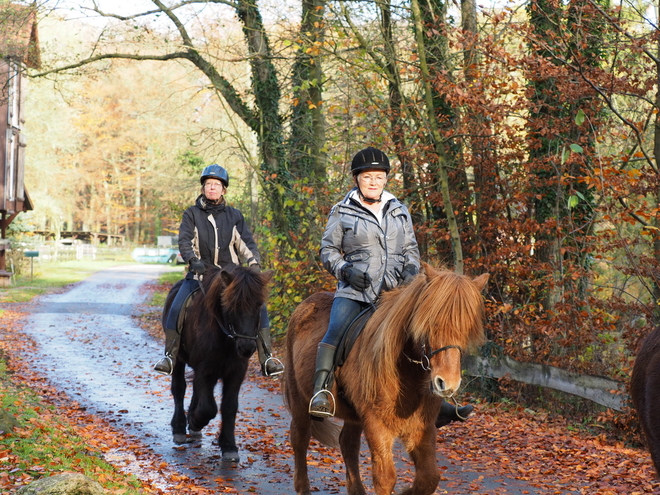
[(322, 404), (270, 366), (166, 365), (449, 413)]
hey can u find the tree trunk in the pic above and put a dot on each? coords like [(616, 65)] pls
[(306, 145), (438, 145)]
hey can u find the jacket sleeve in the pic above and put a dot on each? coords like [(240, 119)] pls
[(331, 244), (244, 244), (410, 246), (187, 236)]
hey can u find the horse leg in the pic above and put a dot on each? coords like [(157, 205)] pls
[(203, 407), (650, 415), (178, 388), (421, 448), (380, 442), (228, 409), (349, 443), (299, 436)]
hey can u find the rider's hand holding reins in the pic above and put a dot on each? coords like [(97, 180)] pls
[(408, 274), (358, 280), (197, 266)]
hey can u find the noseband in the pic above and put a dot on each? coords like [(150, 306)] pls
[(228, 330), (425, 361)]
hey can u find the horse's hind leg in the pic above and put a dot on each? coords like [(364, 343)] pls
[(349, 442), (178, 388), (299, 436)]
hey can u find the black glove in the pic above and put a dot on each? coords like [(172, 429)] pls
[(357, 279), (408, 274), (197, 266)]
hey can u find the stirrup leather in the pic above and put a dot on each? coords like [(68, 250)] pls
[(275, 360), (319, 413)]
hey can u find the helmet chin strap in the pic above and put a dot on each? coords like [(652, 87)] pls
[(369, 200)]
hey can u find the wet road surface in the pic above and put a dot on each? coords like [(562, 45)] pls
[(90, 348)]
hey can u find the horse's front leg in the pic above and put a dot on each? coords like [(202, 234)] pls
[(228, 409), (349, 442), (203, 407), (380, 442), (421, 447), (178, 388)]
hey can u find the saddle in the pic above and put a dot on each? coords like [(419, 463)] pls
[(352, 333)]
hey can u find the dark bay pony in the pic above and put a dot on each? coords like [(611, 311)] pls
[(407, 359), (645, 392), (218, 337)]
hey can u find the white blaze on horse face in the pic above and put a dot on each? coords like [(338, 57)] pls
[(446, 372)]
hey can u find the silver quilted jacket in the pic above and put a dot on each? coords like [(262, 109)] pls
[(354, 235)]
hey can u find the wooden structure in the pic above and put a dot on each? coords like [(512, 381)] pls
[(19, 48)]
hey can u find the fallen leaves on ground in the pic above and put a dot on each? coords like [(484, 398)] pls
[(496, 442)]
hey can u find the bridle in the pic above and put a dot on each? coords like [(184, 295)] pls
[(425, 360), (228, 330)]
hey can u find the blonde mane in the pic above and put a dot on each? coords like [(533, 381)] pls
[(438, 308)]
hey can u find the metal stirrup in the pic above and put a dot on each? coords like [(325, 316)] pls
[(169, 358), (271, 358), (320, 413)]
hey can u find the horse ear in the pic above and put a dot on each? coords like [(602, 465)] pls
[(428, 269), (227, 277), (481, 281), (268, 275)]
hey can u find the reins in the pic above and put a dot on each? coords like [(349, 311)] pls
[(425, 361), (229, 332)]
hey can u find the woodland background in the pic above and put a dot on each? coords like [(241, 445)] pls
[(524, 137)]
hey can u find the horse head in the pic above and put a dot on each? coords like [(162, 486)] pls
[(242, 292), (447, 322), (423, 326)]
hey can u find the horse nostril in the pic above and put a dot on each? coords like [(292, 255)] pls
[(439, 387)]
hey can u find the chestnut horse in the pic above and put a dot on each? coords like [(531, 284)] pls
[(645, 392), (218, 337), (405, 361)]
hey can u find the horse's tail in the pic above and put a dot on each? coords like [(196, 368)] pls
[(327, 432)]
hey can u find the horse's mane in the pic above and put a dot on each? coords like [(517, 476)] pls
[(240, 290), (438, 306)]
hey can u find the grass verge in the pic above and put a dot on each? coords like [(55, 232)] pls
[(43, 442), (51, 276)]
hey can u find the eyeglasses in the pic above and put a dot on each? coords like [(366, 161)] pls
[(216, 185), (378, 179)]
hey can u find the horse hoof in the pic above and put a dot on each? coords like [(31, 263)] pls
[(194, 435), (180, 438), (230, 457)]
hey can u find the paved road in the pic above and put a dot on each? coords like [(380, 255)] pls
[(90, 348)]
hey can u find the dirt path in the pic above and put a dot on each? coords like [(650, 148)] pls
[(90, 348)]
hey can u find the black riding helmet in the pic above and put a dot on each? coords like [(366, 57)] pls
[(370, 159), (215, 172)]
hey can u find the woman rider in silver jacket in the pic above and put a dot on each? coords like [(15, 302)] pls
[(369, 246)]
